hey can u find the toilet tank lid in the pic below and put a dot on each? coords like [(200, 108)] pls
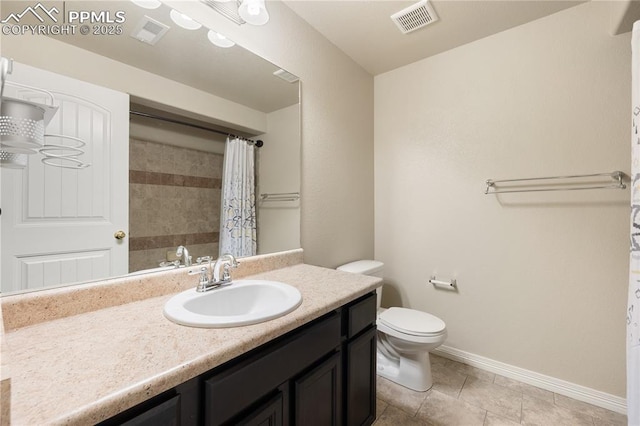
[(362, 267)]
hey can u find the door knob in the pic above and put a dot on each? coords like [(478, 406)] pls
[(119, 235)]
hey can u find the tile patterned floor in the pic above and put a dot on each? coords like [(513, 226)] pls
[(467, 396)]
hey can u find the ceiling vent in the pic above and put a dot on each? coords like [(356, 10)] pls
[(149, 30), (286, 76), (414, 17)]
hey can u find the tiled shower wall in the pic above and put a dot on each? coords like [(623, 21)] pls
[(174, 199)]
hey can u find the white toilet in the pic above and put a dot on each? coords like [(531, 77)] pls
[(405, 336)]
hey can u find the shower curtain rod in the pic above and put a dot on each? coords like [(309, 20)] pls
[(257, 143)]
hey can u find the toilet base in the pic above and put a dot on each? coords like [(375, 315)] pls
[(412, 371)]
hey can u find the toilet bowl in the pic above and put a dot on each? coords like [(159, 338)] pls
[(405, 337)]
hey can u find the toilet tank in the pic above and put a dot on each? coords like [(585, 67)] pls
[(366, 267)]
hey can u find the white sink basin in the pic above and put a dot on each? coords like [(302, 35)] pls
[(243, 302)]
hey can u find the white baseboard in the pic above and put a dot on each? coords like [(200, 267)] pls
[(562, 387)]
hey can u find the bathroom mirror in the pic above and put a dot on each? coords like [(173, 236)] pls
[(183, 96)]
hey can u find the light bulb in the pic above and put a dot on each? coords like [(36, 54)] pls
[(147, 4), (254, 12), (219, 40), (184, 21), (253, 9)]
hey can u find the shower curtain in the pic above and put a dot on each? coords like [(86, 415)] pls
[(238, 216), (633, 309)]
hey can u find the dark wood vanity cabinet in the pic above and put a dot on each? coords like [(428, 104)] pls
[(323, 373)]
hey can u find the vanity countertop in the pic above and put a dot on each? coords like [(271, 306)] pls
[(85, 368)]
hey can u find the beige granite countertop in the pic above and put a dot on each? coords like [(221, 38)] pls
[(84, 368)]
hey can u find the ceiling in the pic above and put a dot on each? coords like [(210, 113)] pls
[(363, 30), (360, 28)]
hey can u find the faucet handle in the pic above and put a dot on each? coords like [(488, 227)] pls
[(203, 281), (204, 259), (226, 272)]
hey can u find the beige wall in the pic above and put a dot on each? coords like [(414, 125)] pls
[(337, 130), (278, 171), (542, 277)]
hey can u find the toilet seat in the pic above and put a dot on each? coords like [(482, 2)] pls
[(411, 322)]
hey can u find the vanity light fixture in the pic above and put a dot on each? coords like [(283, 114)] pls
[(147, 4), (254, 12), (183, 20), (219, 40), (228, 9)]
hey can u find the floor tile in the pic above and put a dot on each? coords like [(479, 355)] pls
[(524, 388), (447, 380), (468, 370), (436, 359), (393, 416), (538, 412), (440, 409), (603, 415), (465, 396), (495, 420), (380, 407), (489, 396), (400, 397), (611, 422)]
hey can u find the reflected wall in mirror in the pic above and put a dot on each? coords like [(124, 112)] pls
[(158, 176)]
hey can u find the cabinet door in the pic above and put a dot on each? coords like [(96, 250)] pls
[(361, 379), (268, 414), (318, 395)]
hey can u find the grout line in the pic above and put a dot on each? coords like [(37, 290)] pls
[(378, 415), (522, 407), (466, 376), (423, 402)]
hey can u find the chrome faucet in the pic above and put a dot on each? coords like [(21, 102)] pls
[(210, 277), (226, 261), (183, 253)]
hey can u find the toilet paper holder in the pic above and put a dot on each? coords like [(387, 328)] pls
[(452, 284)]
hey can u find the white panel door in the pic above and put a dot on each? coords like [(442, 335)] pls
[(58, 224)]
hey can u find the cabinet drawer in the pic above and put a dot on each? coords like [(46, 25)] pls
[(166, 413), (233, 389), (155, 412), (361, 314)]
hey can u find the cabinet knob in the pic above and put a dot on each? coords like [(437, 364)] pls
[(119, 235)]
